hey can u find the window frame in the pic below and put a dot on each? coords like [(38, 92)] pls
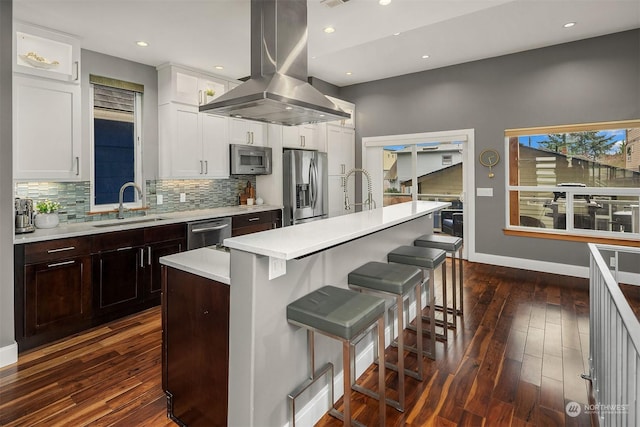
[(513, 190), (138, 175)]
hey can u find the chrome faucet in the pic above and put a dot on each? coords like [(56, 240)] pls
[(120, 197), (369, 201)]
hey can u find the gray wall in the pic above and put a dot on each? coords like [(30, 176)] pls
[(6, 178), (121, 69), (586, 81)]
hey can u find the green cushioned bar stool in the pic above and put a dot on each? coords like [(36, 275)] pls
[(345, 315), (427, 259), (395, 281), (452, 245)]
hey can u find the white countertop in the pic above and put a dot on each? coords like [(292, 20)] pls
[(304, 239), (206, 262), (97, 227)]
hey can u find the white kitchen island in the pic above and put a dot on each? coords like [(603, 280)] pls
[(267, 355)]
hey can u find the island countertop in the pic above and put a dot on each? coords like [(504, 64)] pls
[(304, 239)]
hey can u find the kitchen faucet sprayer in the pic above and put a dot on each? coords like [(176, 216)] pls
[(369, 201), (121, 196)]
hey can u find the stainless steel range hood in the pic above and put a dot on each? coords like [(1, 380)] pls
[(277, 91)]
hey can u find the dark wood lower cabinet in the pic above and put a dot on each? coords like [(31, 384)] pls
[(57, 295), (195, 315), (117, 279)]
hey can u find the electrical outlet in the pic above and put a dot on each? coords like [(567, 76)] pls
[(612, 262), (159, 199), (183, 197)]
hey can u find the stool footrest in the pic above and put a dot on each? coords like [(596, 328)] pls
[(339, 415), (414, 350), (427, 333), (328, 367), (393, 403)]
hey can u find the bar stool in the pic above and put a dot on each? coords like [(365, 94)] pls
[(452, 245), (396, 281), (427, 259), (342, 314)]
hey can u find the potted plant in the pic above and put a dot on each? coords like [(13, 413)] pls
[(47, 214), (210, 93)]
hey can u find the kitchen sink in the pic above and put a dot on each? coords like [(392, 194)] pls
[(125, 222)]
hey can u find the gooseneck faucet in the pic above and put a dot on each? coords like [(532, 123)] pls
[(369, 201), (121, 196)]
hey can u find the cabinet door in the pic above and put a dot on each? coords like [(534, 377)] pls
[(57, 295), (247, 132), (117, 279), (215, 146), (340, 149), (187, 161), (46, 130), (195, 343), (153, 277)]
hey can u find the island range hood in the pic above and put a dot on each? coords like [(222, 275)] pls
[(277, 91)]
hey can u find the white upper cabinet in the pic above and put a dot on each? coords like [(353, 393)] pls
[(349, 108), (215, 145), (187, 86), (247, 132), (46, 129), (192, 144), (340, 149), (306, 137), (45, 53), (341, 159)]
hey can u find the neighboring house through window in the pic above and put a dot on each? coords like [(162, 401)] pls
[(573, 180)]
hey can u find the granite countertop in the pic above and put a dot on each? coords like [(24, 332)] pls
[(97, 227)]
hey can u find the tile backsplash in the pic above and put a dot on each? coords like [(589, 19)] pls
[(74, 197)]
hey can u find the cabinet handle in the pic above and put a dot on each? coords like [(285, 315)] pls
[(77, 165), (206, 167), (343, 169), (76, 65), (201, 167), (58, 264), (126, 248), (200, 97), (142, 257), (149, 255), (254, 219), (68, 248), (252, 138), (248, 137)]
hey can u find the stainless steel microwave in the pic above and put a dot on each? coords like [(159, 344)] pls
[(250, 160)]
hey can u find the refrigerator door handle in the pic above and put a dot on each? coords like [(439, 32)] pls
[(314, 184)]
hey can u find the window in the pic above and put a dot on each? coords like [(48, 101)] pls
[(115, 143), (573, 180)]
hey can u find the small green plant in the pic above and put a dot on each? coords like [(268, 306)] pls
[(47, 206), (210, 92)]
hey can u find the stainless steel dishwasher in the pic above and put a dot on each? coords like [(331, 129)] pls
[(208, 232)]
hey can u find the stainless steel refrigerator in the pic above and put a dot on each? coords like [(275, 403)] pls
[(305, 192)]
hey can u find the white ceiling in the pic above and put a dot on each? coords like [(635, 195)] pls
[(206, 33)]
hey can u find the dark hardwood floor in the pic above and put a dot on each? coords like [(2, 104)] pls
[(515, 359)]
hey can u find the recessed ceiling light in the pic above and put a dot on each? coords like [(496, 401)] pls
[(396, 34), (349, 73), (569, 24), (329, 30), (425, 56), (142, 43), (384, 2), (288, 108), (219, 67), (313, 57)]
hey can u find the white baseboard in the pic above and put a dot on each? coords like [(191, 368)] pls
[(533, 265), (547, 267), (8, 354)]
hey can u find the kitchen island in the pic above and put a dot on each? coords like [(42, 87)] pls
[(268, 270)]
